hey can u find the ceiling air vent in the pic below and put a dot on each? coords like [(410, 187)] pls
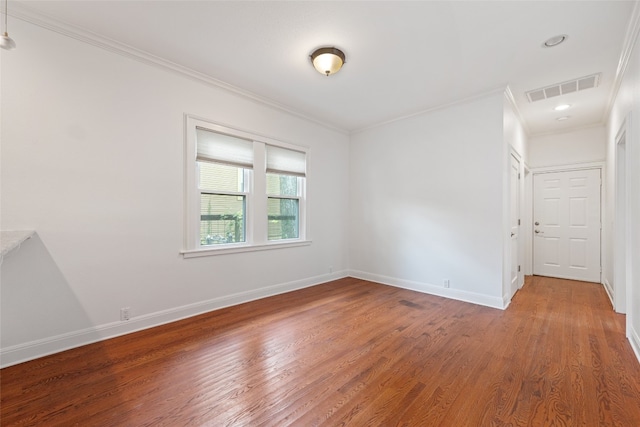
[(563, 88)]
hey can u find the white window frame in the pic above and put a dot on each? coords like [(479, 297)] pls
[(256, 221)]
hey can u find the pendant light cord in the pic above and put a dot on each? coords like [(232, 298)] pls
[(5, 41), (6, 11)]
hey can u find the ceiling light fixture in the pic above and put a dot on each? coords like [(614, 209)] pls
[(563, 118), (555, 40), (6, 42), (562, 107), (327, 60)]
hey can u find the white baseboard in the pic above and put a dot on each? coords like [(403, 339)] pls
[(634, 339), (609, 290), (474, 298), (505, 303), (43, 347)]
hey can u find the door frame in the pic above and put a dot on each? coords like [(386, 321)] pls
[(514, 155), (565, 168), (506, 225), (527, 221), (622, 225)]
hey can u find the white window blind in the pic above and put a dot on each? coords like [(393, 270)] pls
[(219, 148), (286, 162)]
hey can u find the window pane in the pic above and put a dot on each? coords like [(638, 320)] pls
[(282, 185), (283, 217), (218, 177), (221, 219)]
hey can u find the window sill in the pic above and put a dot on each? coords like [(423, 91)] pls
[(195, 253)]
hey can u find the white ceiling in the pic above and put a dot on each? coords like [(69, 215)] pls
[(402, 57)]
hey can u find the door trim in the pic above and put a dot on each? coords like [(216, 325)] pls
[(506, 225), (621, 246), (519, 242), (527, 221), (569, 168)]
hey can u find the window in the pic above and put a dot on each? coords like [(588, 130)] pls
[(285, 177), (223, 169), (243, 192), (283, 207), (222, 207)]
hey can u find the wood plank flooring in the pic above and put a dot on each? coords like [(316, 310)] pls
[(350, 352)]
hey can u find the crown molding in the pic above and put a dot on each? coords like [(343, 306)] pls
[(432, 109), (24, 13), (630, 40)]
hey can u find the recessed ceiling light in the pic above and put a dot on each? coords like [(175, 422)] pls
[(562, 107), (563, 118), (555, 40)]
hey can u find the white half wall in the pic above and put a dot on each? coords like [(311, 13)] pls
[(426, 201), (92, 159)]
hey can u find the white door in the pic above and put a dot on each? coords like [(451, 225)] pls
[(566, 215), (514, 210)]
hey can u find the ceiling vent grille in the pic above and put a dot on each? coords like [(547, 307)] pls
[(563, 88)]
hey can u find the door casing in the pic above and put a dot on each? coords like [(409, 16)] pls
[(515, 223)]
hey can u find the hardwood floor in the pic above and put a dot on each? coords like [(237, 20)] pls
[(350, 352)]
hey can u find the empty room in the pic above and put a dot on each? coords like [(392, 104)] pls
[(302, 213)]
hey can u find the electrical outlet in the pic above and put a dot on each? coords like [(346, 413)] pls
[(447, 283), (124, 314)]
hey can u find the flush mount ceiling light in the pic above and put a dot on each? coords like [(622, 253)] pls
[(562, 107), (327, 60), (563, 118), (6, 42), (555, 40)]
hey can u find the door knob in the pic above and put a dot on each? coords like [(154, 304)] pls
[(513, 234), (537, 223), (537, 231)]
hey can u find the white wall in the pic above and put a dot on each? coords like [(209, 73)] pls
[(515, 143), (573, 147), (92, 159), (514, 134), (625, 114), (427, 202)]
